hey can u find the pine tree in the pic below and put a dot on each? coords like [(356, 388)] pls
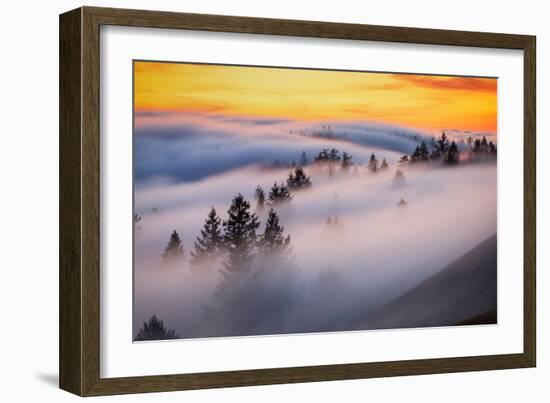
[(272, 241), (404, 160), (174, 249), (279, 194), (373, 164), (209, 244), (399, 178), (415, 156), (442, 144), (424, 153), (384, 164), (323, 156), (154, 330), (477, 146), (484, 144), (298, 180), (451, 157), (346, 161), (137, 220), (236, 287), (259, 195), (240, 236), (334, 155), (421, 153)]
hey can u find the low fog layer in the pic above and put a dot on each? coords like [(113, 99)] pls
[(175, 147), (346, 270)]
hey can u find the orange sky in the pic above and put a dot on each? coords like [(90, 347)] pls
[(425, 102)]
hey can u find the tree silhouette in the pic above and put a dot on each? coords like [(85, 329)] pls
[(332, 221), (442, 144), (326, 155), (477, 146), (137, 220), (154, 330), (452, 156), (259, 195), (372, 166), (402, 203), (346, 161), (233, 307), (334, 154), (404, 160), (484, 144), (273, 241), (279, 194), (384, 164), (209, 244), (239, 236), (421, 153), (174, 249), (398, 178), (323, 156), (276, 282), (298, 180)]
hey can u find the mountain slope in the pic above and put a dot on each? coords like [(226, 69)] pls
[(460, 293)]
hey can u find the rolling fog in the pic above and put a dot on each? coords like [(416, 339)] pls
[(341, 272)]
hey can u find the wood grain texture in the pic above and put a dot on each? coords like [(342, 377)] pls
[(80, 200), (70, 271), (530, 202)]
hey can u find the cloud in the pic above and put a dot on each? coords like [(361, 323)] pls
[(191, 146), (378, 250), (447, 82)]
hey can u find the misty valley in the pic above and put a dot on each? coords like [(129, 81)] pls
[(246, 226)]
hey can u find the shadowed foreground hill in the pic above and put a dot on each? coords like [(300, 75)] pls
[(463, 293)]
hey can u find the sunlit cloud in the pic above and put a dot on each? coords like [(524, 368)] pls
[(417, 101)]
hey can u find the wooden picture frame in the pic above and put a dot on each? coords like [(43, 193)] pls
[(79, 348)]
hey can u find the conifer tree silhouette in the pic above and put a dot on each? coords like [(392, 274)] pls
[(399, 177), (346, 161), (451, 157), (298, 180), (273, 240), (421, 153), (442, 144), (323, 155), (334, 154), (209, 244), (404, 160), (259, 195), (137, 220), (233, 310), (372, 166), (174, 249), (279, 194), (154, 330), (239, 236)]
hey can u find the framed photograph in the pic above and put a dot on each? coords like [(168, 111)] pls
[(249, 201)]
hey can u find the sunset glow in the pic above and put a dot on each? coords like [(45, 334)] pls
[(420, 101)]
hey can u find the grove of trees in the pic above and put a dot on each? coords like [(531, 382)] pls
[(154, 329)]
